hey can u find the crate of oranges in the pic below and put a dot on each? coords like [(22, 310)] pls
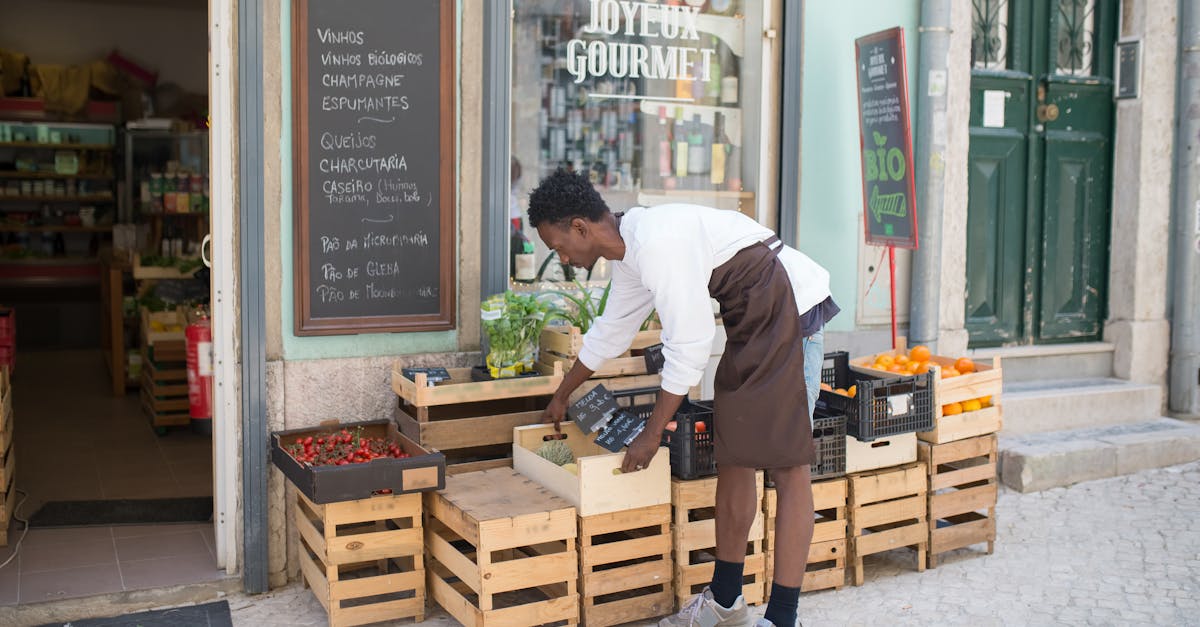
[(966, 392), (876, 404)]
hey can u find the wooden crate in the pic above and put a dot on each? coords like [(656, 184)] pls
[(625, 566), (827, 553), (887, 510), (364, 560), (474, 435), (987, 380), (502, 551), (461, 389), (962, 494), (561, 345), (894, 450), (695, 534), (599, 487), (621, 384), (164, 346), (164, 392)]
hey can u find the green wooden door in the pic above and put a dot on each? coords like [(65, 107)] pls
[(1039, 162)]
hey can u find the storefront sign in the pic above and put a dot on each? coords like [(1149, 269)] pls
[(373, 93), (885, 140), (601, 57)]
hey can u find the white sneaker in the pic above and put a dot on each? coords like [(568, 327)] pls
[(704, 611), (762, 622)]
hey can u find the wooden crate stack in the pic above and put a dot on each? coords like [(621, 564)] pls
[(695, 533), (625, 566), (470, 422), (364, 559), (624, 523), (962, 494), (8, 461), (827, 553), (888, 510), (164, 370), (502, 551)]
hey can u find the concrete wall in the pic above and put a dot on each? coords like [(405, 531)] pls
[(1141, 209), (831, 205), (169, 37)]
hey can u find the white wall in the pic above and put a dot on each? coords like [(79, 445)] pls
[(172, 40)]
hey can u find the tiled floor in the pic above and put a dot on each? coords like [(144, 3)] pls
[(75, 441)]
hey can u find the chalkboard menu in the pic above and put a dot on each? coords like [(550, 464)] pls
[(885, 140), (373, 95)]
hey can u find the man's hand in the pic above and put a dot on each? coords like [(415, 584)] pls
[(641, 451), (555, 412)]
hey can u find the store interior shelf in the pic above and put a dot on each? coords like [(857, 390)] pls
[(57, 146), (53, 228), (699, 192), (96, 198), (141, 273), (16, 174)]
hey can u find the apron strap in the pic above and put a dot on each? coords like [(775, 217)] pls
[(773, 244)]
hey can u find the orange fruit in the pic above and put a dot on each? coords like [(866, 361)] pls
[(897, 368), (841, 391), (920, 352), (972, 405), (952, 409), (949, 371), (902, 359), (883, 362), (921, 368), (985, 401), (964, 365), (853, 391), (825, 386)]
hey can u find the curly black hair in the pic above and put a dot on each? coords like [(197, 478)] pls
[(562, 196)]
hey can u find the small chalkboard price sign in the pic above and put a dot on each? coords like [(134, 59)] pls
[(654, 358), (373, 173), (432, 375), (594, 410), (621, 430)]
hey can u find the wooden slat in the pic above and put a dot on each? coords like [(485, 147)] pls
[(8, 466), (867, 516), (887, 484), (452, 600), (962, 501), (962, 535), (965, 425), (477, 466), (961, 450), (531, 572), (631, 610), (630, 577), (829, 531), (393, 506), (916, 533), (377, 612), (389, 583), (362, 547), (461, 389), (315, 578), (465, 432), (982, 472), (625, 550), (564, 608), (462, 566), (823, 579)]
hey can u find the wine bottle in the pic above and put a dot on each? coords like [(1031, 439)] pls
[(720, 146), (698, 153), (681, 145), (664, 149)]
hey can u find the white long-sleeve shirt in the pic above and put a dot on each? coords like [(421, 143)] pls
[(670, 254)]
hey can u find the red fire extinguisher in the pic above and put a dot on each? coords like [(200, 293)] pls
[(200, 372)]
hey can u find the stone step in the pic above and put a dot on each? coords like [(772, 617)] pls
[(1035, 462), (1089, 360), (1058, 404)]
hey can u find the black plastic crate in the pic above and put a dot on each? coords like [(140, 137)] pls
[(829, 440), (692, 451), (882, 406)]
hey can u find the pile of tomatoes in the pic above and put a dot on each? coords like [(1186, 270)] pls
[(341, 448)]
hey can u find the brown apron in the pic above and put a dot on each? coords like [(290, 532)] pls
[(761, 401)]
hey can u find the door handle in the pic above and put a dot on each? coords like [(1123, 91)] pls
[(206, 243)]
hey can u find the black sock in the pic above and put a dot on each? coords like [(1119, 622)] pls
[(727, 582), (781, 609)]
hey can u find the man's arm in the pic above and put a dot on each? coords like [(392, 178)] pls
[(557, 409)]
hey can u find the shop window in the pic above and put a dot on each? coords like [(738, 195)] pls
[(989, 34), (1076, 35), (654, 101)]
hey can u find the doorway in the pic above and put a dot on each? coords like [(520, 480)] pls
[(1039, 204)]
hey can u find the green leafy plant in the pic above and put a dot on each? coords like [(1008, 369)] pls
[(513, 323), (556, 452), (587, 307)]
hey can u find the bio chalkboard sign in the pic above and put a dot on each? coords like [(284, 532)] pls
[(620, 431), (373, 136), (885, 140)]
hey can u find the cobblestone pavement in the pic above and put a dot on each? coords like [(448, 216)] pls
[(1122, 551)]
